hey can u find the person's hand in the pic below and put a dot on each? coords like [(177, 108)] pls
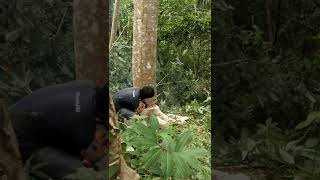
[(140, 108)]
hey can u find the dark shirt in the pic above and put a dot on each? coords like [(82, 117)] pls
[(126, 101), (126, 98), (60, 116)]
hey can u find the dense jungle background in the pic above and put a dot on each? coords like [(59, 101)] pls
[(266, 89)]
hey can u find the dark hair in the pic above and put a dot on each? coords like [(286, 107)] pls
[(146, 92)]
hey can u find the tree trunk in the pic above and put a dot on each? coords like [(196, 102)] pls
[(91, 52), (125, 173), (115, 16), (90, 22), (144, 42), (10, 161), (269, 20)]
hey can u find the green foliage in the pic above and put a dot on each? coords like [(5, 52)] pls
[(272, 82), (258, 78), (295, 153), (120, 66), (36, 46), (312, 118), (162, 152), (183, 52)]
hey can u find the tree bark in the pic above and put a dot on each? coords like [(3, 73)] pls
[(115, 16), (11, 166), (125, 172), (269, 20), (144, 42), (90, 22), (91, 52)]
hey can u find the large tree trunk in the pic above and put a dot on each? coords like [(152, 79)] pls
[(91, 52), (144, 42), (10, 161), (116, 12), (90, 22)]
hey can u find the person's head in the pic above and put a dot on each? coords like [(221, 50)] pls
[(140, 107), (146, 92)]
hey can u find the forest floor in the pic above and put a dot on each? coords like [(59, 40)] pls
[(198, 122)]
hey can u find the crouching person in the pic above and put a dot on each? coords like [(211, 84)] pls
[(55, 125), (129, 102)]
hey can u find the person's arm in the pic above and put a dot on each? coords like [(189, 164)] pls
[(126, 113)]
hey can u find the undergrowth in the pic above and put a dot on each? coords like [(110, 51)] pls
[(180, 151)]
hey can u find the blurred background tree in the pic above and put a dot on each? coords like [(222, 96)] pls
[(266, 62)]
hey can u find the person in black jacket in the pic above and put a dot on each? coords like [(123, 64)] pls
[(56, 123), (129, 102)]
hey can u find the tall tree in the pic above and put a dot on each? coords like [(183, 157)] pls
[(115, 16), (90, 22), (144, 42), (91, 55)]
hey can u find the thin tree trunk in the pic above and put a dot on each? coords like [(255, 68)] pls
[(11, 167), (115, 16), (90, 22), (144, 42), (277, 26), (269, 20)]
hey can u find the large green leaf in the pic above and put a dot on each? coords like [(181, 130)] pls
[(181, 166), (151, 157), (147, 132), (167, 164), (168, 143), (288, 158), (183, 140), (166, 132), (313, 116), (154, 123), (191, 156), (143, 143)]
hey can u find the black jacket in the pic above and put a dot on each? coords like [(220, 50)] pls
[(126, 101), (126, 98), (60, 116)]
